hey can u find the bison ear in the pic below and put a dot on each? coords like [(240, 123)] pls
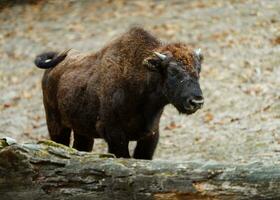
[(154, 62)]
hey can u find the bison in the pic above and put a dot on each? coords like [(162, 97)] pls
[(119, 92)]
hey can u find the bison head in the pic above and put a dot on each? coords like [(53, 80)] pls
[(179, 69)]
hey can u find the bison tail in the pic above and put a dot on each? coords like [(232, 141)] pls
[(49, 59)]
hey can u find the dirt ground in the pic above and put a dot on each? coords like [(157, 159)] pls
[(240, 40)]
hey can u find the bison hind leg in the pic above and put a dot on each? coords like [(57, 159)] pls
[(62, 135), (57, 131)]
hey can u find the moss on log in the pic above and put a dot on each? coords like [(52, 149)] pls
[(47, 170)]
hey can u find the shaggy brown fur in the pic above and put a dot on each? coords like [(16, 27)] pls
[(182, 53), (111, 94)]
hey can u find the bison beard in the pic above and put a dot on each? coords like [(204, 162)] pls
[(119, 92)]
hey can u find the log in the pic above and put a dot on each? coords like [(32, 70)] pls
[(47, 170)]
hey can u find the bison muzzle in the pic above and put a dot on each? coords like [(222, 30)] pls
[(119, 92)]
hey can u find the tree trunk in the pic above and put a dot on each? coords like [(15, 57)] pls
[(52, 171)]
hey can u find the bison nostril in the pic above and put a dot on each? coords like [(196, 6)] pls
[(196, 102)]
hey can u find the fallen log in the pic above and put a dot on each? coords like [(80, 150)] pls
[(48, 170)]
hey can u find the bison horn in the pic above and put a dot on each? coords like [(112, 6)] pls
[(161, 56), (198, 52), (48, 60)]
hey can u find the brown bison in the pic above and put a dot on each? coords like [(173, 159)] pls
[(119, 92)]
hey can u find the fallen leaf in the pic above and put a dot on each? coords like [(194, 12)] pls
[(208, 117), (171, 126)]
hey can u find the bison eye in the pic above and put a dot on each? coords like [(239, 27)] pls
[(177, 73), (173, 71)]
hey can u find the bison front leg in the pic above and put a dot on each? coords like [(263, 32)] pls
[(119, 149), (146, 146), (117, 143), (83, 142)]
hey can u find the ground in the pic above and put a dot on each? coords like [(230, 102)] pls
[(240, 41)]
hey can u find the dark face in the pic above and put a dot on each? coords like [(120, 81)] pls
[(181, 83), (181, 87)]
